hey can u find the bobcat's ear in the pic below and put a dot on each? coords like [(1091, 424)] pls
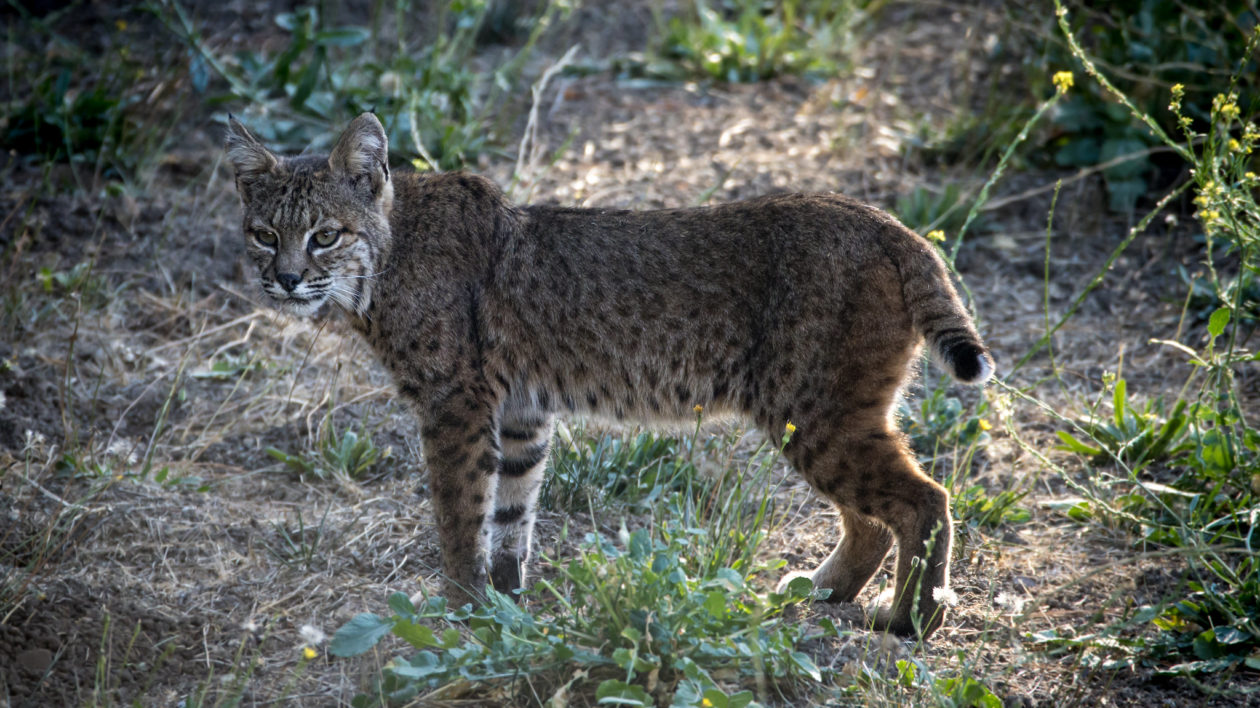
[(363, 151), (248, 156)]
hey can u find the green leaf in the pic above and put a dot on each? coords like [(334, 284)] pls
[(417, 635), (1217, 322), (359, 634), (1072, 444), (640, 544), (1119, 402), (620, 693), (806, 665), (715, 603), (421, 666), (401, 605), (343, 36)]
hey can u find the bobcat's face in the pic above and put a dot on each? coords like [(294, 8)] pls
[(315, 226)]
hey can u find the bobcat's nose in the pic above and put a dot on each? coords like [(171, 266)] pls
[(288, 281)]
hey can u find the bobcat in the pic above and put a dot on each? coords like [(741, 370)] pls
[(491, 318)]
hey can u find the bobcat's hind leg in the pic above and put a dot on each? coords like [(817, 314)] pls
[(525, 436), (864, 467)]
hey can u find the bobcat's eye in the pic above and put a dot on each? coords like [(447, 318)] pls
[(265, 238), (327, 237)]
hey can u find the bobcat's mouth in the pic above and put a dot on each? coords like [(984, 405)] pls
[(303, 305)]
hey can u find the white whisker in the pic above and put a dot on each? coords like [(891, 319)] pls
[(369, 276)]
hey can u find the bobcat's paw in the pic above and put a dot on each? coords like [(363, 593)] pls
[(885, 617)]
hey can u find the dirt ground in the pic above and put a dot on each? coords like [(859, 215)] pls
[(117, 587)]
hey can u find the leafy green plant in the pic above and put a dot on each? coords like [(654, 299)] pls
[(638, 619), (956, 691), (648, 617), (975, 506), (941, 422), (1134, 437), (1203, 298), (926, 210), (1208, 511), (437, 107), (1217, 624), (300, 545), (749, 40), (346, 456), (106, 114), (1149, 45), (632, 469)]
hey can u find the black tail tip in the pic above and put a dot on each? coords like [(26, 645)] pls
[(969, 362)]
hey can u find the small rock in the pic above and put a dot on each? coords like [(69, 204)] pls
[(1023, 582), (35, 660)]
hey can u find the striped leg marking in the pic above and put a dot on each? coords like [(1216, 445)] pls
[(525, 436)]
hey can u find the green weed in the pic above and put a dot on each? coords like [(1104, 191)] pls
[(1135, 437), (347, 456), (925, 210), (1146, 46), (107, 115), (636, 618), (636, 470), (300, 546), (749, 40), (1212, 449), (439, 110)]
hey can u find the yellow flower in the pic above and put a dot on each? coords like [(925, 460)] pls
[(699, 409), (1250, 175), (1234, 145), (309, 653), (1225, 106), (790, 428), (1210, 215), (1178, 91), (121, 25), (1063, 81), (706, 703), (985, 424), (935, 235)]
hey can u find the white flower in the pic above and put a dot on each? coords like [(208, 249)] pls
[(123, 449), (313, 635), (1012, 602), (945, 596), (34, 439)]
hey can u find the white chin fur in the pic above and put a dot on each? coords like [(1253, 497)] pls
[(300, 309)]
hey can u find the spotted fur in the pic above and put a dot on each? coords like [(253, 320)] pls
[(492, 318)]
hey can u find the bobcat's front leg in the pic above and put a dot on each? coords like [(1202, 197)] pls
[(461, 450)]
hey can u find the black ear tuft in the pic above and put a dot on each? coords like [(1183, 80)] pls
[(248, 156), (362, 151)]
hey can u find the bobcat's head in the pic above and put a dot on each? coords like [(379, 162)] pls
[(316, 227)]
